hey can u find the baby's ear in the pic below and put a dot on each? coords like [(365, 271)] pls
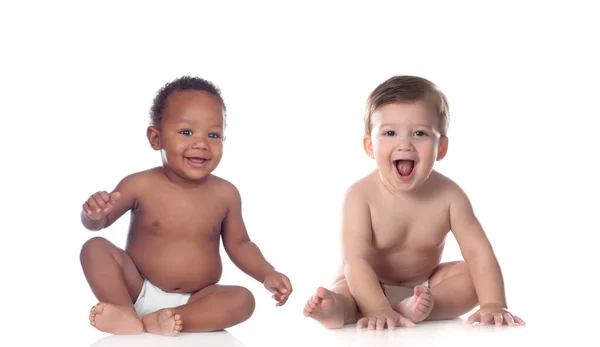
[(153, 135), (368, 146), (442, 147)]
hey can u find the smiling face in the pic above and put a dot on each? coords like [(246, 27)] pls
[(190, 134), (405, 142)]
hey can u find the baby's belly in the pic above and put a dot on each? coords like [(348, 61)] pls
[(406, 267), (181, 266)]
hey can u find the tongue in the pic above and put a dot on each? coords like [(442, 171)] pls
[(405, 167)]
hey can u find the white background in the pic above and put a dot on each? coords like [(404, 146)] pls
[(77, 82)]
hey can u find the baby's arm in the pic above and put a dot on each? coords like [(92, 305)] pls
[(477, 251), (236, 241), (356, 241), (111, 205), (246, 255)]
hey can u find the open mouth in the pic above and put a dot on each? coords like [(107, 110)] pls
[(197, 161), (405, 168)]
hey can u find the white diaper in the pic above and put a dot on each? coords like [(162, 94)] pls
[(152, 299)]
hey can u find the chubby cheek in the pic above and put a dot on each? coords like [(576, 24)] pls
[(217, 150), (174, 152), (382, 148), (427, 156)]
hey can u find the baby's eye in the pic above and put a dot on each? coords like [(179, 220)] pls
[(186, 132), (389, 133), (214, 135), (420, 133)]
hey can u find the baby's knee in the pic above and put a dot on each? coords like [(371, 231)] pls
[(93, 247), (244, 303)]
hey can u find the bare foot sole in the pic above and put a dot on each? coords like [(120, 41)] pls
[(116, 320), (418, 307), (163, 322), (325, 308)]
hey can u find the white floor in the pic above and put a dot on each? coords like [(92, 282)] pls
[(287, 327), (428, 334)]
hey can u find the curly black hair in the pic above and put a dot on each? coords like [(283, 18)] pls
[(180, 84)]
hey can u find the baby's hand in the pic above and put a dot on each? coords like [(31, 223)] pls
[(278, 284), (100, 204), (492, 313), (380, 320)]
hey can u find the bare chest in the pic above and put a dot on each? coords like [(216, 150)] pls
[(421, 227), (180, 215)]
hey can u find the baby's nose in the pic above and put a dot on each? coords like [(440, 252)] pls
[(404, 144), (200, 143)]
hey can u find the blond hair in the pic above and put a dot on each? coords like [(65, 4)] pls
[(398, 89)]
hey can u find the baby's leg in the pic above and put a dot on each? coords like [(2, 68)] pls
[(453, 291), (333, 308), (215, 307), (115, 282)]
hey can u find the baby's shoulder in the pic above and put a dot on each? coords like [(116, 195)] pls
[(140, 180), (362, 188), (223, 188), (446, 187)]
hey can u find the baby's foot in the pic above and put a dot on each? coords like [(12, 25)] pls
[(325, 308), (116, 320), (163, 322), (417, 307)]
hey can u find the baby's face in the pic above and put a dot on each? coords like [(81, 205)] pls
[(405, 142), (191, 133)]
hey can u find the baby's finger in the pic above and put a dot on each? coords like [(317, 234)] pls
[(509, 319), (86, 209), (288, 284), (380, 323), (99, 201), (518, 320), (498, 319), (487, 319), (105, 197), (405, 322), (372, 322), (108, 207), (362, 323), (282, 288), (474, 318), (93, 206), (391, 324), (281, 301)]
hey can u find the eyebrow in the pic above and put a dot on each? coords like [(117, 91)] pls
[(188, 122), (414, 125)]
